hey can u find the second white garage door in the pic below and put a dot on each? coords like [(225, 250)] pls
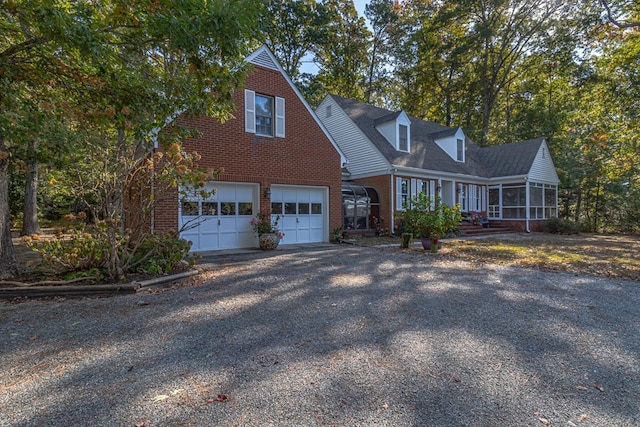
[(306, 216)]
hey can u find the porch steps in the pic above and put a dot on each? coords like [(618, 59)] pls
[(470, 229)]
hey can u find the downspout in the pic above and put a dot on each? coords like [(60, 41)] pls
[(392, 205), (153, 185), (528, 209)]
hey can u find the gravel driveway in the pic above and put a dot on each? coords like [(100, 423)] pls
[(331, 336)]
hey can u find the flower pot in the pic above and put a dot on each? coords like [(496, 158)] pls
[(430, 244), (268, 241)]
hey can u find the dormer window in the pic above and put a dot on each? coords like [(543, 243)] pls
[(460, 150), (396, 129), (403, 138)]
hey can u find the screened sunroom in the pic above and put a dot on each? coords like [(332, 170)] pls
[(360, 205)]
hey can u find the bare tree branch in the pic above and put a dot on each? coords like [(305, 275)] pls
[(614, 21)]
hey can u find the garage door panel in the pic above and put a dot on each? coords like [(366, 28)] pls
[(304, 213), (225, 223)]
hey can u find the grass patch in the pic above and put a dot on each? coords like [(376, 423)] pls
[(590, 254)]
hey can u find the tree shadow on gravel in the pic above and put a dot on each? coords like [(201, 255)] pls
[(344, 336)]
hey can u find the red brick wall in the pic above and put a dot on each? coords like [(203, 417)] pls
[(304, 157), (381, 184)]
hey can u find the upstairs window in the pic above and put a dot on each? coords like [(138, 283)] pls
[(460, 150), (264, 115), (403, 138)]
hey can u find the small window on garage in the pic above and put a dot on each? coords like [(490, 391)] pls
[(290, 208), (189, 208), (227, 208), (276, 208), (245, 208), (209, 208), (316, 208), (303, 208)]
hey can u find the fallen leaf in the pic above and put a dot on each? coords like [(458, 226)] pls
[(144, 424), (275, 362), (582, 388), (385, 406), (544, 421), (220, 398), (583, 417), (33, 337), (160, 397), (598, 386)]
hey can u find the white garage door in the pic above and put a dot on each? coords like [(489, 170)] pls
[(221, 221), (305, 213)]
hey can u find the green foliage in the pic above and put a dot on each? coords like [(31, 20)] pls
[(424, 218), (161, 254), (561, 226), (79, 249), (85, 251)]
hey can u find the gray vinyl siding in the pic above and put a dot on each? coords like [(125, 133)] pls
[(361, 155)]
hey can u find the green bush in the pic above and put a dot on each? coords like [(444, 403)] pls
[(87, 250), (561, 226), (161, 254)]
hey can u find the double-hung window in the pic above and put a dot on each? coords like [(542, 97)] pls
[(264, 115), (403, 138), (460, 150)]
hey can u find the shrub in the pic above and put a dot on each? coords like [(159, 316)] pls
[(86, 250), (561, 226)]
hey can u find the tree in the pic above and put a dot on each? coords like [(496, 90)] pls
[(293, 29), (342, 58), (382, 14), (126, 67)]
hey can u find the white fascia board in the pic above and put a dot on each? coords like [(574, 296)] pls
[(265, 49), (426, 173)]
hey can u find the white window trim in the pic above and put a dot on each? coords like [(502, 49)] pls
[(461, 151), (399, 192), (250, 114), (408, 150)]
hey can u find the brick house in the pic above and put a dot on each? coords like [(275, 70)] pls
[(393, 157), (275, 153)]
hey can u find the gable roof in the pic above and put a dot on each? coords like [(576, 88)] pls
[(425, 153), (264, 58), (511, 159)]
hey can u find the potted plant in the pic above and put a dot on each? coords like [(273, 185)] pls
[(266, 226), (430, 221)]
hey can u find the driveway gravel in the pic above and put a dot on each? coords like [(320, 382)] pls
[(331, 336)]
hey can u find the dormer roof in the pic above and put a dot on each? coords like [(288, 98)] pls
[(425, 152), (444, 133)]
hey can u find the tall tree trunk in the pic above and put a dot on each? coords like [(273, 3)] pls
[(30, 223), (7, 257)]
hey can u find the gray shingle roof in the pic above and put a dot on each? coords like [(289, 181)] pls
[(511, 159), (502, 160)]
